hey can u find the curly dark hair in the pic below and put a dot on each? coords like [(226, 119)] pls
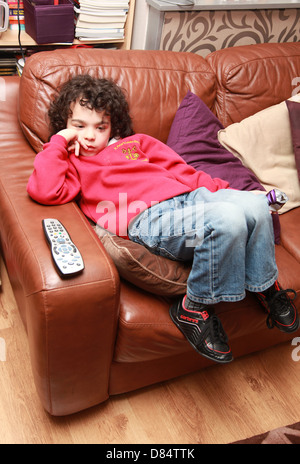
[(95, 94)]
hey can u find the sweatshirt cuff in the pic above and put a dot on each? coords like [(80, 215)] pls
[(59, 140)]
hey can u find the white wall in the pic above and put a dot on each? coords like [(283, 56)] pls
[(140, 25)]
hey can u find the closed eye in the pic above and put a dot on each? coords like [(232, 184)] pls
[(77, 124)]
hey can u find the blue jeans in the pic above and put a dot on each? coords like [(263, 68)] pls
[(226, 235)]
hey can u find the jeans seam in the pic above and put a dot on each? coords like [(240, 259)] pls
[(262, 288), (219, 299)]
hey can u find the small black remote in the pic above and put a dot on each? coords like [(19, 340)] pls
[(65, 254)]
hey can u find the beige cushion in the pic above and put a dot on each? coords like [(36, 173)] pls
[(144, 269), (263, 143)]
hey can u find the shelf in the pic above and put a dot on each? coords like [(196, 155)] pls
[(9, 38)]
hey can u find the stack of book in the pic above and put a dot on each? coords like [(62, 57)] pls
[(100, 19), (14, 13)]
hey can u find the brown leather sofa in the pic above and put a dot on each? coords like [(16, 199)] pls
[(96, 334)]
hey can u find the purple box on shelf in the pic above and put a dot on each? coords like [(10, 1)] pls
[(46, 22)]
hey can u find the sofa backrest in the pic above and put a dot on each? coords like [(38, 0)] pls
[(235, 82), (155, 82), (251, 78)]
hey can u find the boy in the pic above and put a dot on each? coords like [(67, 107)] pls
[(135, 186)]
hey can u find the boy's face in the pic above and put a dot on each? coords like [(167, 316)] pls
[(93, 128)]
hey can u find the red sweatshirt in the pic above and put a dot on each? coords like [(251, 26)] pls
[(115, 185)]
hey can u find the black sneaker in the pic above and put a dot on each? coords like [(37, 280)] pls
[(282, 312), (203, 330)]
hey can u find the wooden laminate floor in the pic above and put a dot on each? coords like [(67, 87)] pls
[(218, 405)]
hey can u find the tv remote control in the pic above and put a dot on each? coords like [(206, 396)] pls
[(65, 254)]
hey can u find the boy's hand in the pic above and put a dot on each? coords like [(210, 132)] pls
[(72, 137)]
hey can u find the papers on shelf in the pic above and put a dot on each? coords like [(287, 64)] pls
[(100, 19)]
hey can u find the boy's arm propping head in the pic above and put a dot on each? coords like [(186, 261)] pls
[(54, 180)]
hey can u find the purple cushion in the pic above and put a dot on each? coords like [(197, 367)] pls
[(194, 136), (294, 114)]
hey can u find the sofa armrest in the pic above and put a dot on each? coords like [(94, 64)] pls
[(71, 322)]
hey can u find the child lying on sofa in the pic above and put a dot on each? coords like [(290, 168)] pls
[(137, 187)]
